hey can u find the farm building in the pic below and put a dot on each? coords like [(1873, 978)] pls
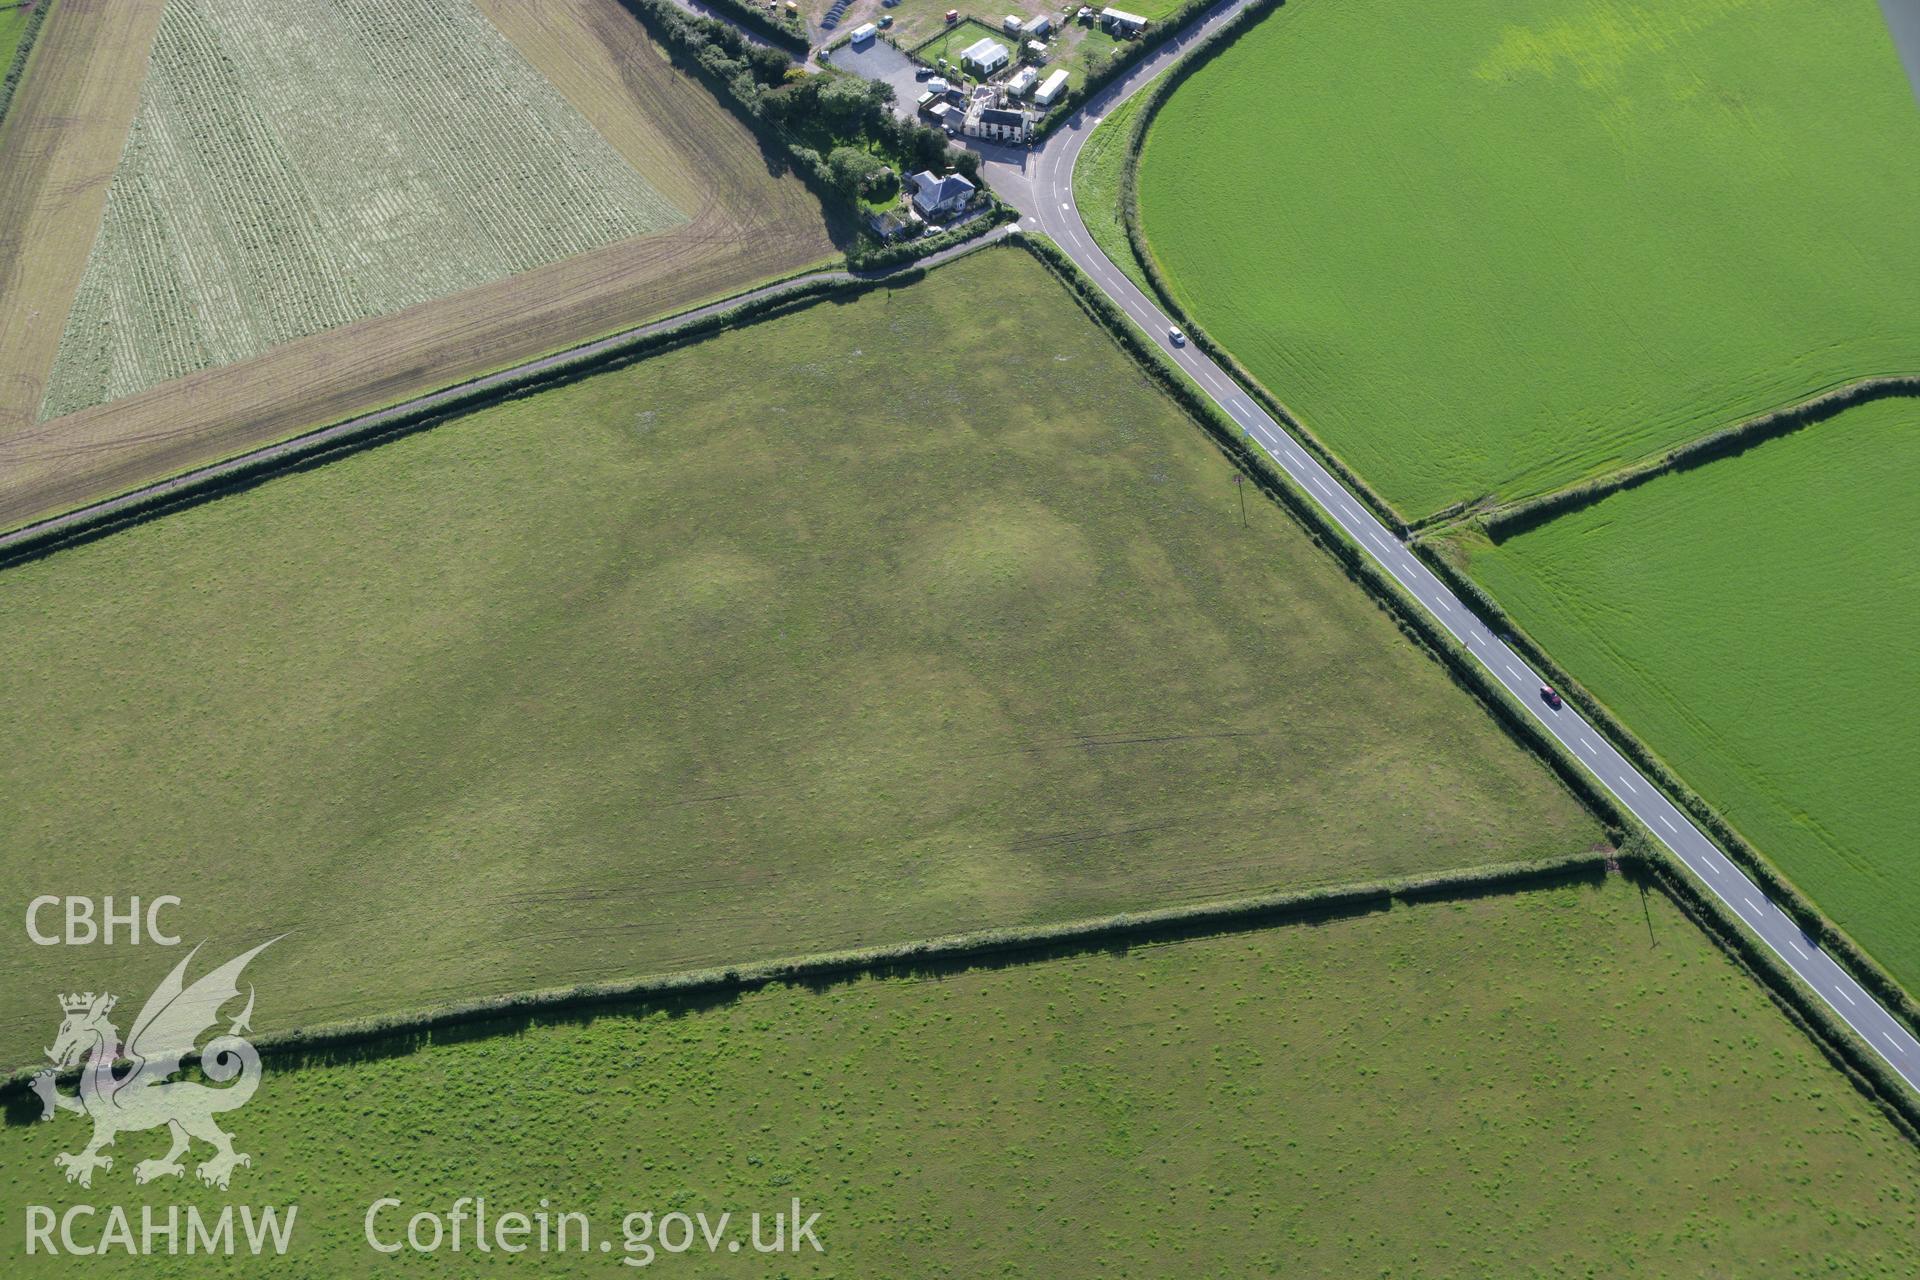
[(1037, 26), (888, 225), (940, 196), (1023, 80), (1051, 88), (1122, 23), (984, 57), (1012, 23)]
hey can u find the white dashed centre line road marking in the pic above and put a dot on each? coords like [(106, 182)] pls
[(1629, 781), (1844, 996), (1889, 1039), (1668, 825)]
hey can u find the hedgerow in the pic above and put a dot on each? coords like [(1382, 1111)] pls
[(1150, 103), (1807, 916), (948, 953), (1511, 521), (807, 119), (17, 69)]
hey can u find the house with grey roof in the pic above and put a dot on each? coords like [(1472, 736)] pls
[(940, 196)]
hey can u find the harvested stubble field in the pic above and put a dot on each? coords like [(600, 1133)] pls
[(1558, 1082), (1754, 622), (298, 166), (942, 619), (59, 144), (1500, 246), (747, 224)]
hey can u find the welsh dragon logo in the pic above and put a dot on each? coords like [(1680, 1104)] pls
[(127, 1087)]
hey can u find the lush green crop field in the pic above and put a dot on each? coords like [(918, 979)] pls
[(943, 618), (1754, 622), (1502, 245), (1562, 1082)]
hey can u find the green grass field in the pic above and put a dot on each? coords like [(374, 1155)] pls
[(1498, 246), (942, 618), (1753, 621), (13, 24), (1096, 189), (1560, 1082)]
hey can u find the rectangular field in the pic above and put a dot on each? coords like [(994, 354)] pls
[(1560, 1082), (1489, 249), (298, 166), (1753, 621), (942, 619), (747, 224)]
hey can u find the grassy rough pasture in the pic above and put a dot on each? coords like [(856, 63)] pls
[(1754, 622), (298, 166), (1502, 245), (1562, 1082), (941, 619)]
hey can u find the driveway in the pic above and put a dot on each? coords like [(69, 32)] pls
[(878, 60)]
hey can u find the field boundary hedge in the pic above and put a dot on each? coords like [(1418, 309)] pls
[(330, 1043), (1864, 1069), (1420, 627), (755, 19), (946, 953), (1412, 621), (17, 69), (1136, 52), (335, 440), (1815, 923), (1520, 517), (1153, 97), (1787, 896)]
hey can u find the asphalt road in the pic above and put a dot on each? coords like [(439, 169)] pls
[(1039, 183), (1903, 22)]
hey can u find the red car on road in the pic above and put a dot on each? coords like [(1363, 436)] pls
[(1548, 696)]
